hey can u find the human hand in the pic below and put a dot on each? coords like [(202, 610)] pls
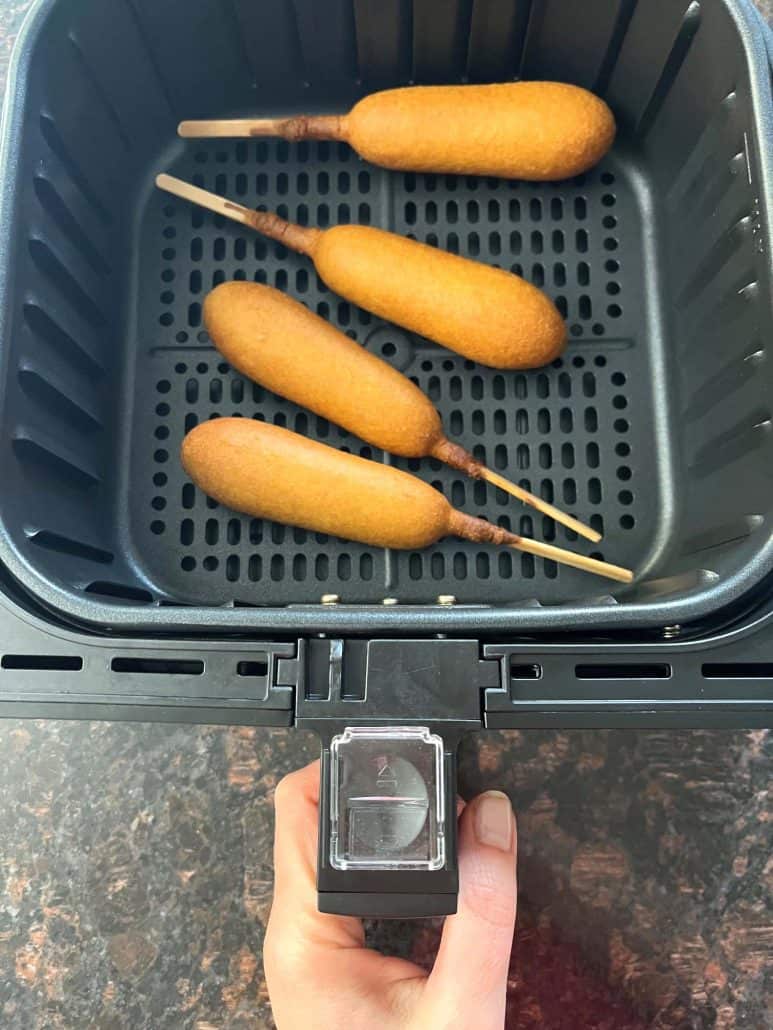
[(318, 970)]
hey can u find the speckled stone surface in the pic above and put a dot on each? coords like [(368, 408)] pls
[(136, 875), (135, 870)]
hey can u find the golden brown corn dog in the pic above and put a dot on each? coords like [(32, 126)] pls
[(271, 473), (524, 130), (279, 343), (486, 314)]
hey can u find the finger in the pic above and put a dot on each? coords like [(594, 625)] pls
[(296, 831), (296, 804), (469, 979)]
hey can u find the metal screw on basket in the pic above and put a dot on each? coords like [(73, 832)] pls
[(670, 632), (330, 599), (390, 601), (446, 599)]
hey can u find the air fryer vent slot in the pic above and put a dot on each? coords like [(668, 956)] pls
[(624, 671), (158, 666), (258, 667), (519, 671), (738, 670), (41, 663)]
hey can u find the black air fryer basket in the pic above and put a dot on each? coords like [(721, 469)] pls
[(127, 593)]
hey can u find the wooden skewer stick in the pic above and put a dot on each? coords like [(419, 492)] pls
[(577, 561), (457, 457), (542, 506), (471, 528), (302, 239), (296, 237), (302, 127)]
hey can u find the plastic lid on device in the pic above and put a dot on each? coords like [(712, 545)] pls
[(387, 799)]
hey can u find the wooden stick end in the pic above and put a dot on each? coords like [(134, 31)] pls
[(542, 506)]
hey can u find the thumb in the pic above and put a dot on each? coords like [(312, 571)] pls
[(468, 985)]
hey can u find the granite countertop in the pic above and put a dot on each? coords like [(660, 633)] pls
[(135, 869), (136, 865)]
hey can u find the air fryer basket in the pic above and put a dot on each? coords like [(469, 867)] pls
[(655, 426)]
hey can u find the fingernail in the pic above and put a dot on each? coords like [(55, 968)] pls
[(494, 820)]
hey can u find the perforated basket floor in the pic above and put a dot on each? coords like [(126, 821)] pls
[(579, 433)]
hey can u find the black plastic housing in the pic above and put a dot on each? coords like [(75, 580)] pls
[(655, 426)]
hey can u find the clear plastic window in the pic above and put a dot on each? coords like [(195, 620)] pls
[(387, 799)]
